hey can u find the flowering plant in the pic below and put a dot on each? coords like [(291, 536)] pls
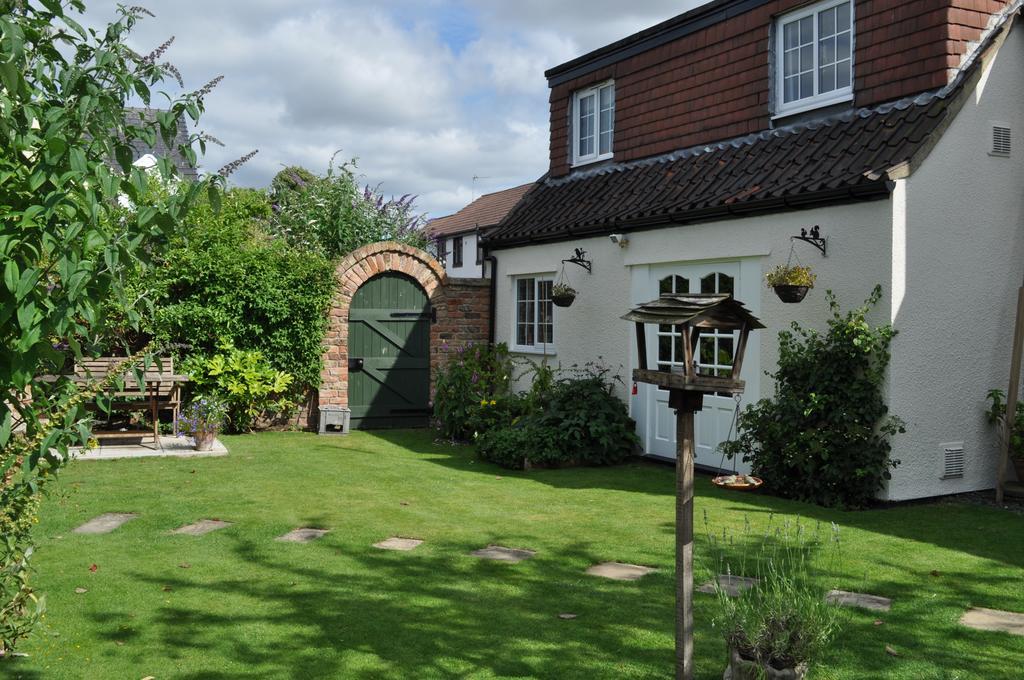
[(204, 416), (783, 275)]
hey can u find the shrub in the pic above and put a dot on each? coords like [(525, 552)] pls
[(223, 278), (333, 215), (575, 420), (521, 445), (824, 437), (471, 378), (248, 384), (65, 246)]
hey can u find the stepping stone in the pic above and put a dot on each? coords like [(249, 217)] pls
[(864, 601), (619, 571), (396, 543), (980, 618), (302, 535), (105, 523), (503, 554), (203, 526), (732, 585)]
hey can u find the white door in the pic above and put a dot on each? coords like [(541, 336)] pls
[(714, 353)]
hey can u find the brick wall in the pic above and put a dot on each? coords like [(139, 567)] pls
[(462, 306), (714, 84)]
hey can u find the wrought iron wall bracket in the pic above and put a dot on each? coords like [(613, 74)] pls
[(815, 238), (580, 258)]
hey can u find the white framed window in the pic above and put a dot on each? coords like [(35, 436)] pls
[(533, 324), (593, 123), (814, 57)]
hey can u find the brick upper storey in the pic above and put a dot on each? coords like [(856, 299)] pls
[(706, 75)]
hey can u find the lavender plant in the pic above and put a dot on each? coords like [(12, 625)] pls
[(784, 621)]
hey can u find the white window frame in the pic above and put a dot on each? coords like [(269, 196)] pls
[(595, 90), (536, 347), (818, 100)]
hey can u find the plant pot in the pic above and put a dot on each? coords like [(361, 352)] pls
[(791, 293), (204, 441), (741, 668), (562, 299), (1018, 465)]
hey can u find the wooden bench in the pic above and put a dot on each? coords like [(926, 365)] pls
[(160, 391)]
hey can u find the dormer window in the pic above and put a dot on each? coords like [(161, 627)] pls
[(814, 57), (593, 123)]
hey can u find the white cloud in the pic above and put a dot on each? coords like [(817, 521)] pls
[(427, 94)]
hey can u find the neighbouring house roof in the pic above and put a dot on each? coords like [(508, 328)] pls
[(847, 157), (483, 213), (138, 116)]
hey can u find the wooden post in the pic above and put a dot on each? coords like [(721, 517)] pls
[(686, 404), (1012, 393)]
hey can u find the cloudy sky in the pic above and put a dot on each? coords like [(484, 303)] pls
[(426, 94)]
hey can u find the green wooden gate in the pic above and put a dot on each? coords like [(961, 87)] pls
[(389, 354)]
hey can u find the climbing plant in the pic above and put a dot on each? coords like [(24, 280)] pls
[(825, 435)]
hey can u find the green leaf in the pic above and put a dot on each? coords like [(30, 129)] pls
[(5, 429), (213, 193), (11, 275)]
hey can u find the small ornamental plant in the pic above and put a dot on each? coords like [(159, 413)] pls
[(562, 294), (560, 289), (783, 624), (997, 414), (783, 275), (203, 419)]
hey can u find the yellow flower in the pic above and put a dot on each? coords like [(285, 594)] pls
[(493, 402), (483, 402)]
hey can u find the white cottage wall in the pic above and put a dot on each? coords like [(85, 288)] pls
[(956, 281), (858, 258)]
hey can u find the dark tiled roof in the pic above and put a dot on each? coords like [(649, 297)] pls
[(137, 117), (484, 212), (839, 159)]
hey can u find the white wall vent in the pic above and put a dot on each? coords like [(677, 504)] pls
[(1000, 140), (952, 460)]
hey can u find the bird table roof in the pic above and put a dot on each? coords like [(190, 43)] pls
[(698, 309)]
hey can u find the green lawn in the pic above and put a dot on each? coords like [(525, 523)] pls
[(249, 607)]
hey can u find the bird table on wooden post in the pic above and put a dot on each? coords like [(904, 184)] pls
[(695, 315)]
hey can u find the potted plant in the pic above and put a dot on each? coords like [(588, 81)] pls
[(778, 628), (997, 414), (790, 283), (203, 419), (562, 294)]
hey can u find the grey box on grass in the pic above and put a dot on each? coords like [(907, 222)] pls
[(334, 420)]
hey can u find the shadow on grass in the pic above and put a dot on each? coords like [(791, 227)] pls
[(980, 531), (402, 615)]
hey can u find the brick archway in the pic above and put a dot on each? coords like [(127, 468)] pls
[(352, 272)]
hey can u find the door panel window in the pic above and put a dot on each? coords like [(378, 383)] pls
[(670, 340)]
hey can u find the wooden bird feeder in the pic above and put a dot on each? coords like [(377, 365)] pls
[(694, 315)]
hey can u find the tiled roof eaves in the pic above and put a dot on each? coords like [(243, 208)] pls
[(866, 191)]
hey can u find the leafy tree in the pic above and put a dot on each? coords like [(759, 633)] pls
[(65, 243), (824, 436), (333, 216)]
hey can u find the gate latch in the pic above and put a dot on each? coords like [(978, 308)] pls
[(355, 364)]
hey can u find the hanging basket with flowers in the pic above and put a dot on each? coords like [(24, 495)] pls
[(562, 294), (790, 283)]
